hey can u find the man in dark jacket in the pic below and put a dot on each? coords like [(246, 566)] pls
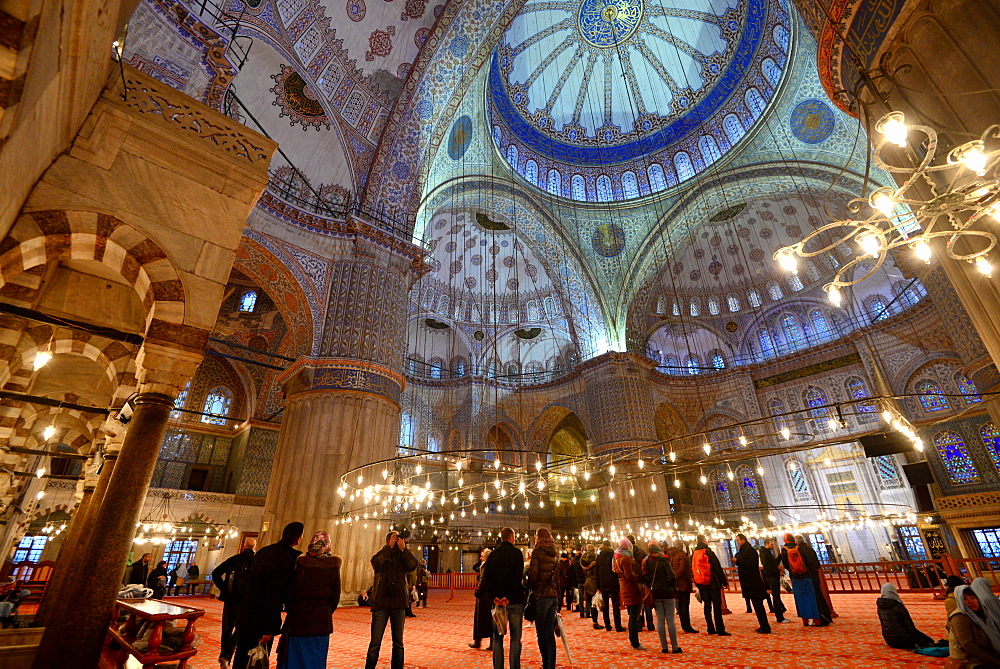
[(772, 578), (268, 583), (502, 583), (581, 578), (711, 593), (638, 555), (607, 583), (390, 596), (139, 571), (231, 579), (751, 584)]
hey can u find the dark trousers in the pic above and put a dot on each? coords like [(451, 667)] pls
[(567, 594), (684, 610), (612, 599), (585, 606), (824, 606), (648, 613), (712, 600), (758, 608), (422, 594), (229, 612), (246, 640), (634, 623), (395, 618), (774, 584)]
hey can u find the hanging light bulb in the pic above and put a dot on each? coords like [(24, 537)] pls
[(833, 424), (760, 470), (538, 465), (611, 494), (677, 483), (703, 479), (652, 486), (41, 472), (833, 293), (641, 463), (41, 494), (42, 358), (461, 482), (786, 260), (360, 479), (882, 201), (730, 475), (922, 250), (893, 128), (612, 470), (983, 266), (870, 243), (673, 456), (572, 469), (631, 491), (49, 432), (743, 440), (971, 155), (496, 464), (707, 448), (586, 476), (786, 433)]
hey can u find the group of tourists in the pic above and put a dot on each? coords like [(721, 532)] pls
[(159, 579)]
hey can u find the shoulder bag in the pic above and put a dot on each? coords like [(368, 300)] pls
[(531, 606)]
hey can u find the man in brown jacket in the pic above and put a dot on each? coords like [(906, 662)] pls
[(681, 563)]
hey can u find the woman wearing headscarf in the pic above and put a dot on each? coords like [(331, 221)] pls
[(989, 602), (898, 629), (972, 640), (482, 619), (312, 599), (949, 601), (659, 574), (542, 582), (802, 583), (628, 586)]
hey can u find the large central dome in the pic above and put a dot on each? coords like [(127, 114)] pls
[(605, 88)]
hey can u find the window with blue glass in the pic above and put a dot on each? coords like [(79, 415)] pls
[(818, 542), (217, 404), (709, 149), (718, 361), (820, 327), (671, 364), (656, 179), (754, 297), (969, 391), (720, 490), (777, 407), (816, 398), (988, 541), (749, 488), (683, 165), (695, 306), (888, 472), (734, 129), (248, 301), (795, 282), (630, 184), (931, 398), (955, 457), (29, 549), (774, 290), (991, 439), (693, 364), (876, 308), (867, 412), (733, 302), (766, 345), (713, 306), (913, 543), (798, 480), (790, 328), (181, 400), (579, 187)]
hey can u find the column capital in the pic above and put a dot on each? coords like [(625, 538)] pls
[(163, 368), (309, 374)]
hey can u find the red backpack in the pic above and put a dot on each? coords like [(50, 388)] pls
[(701, 567), (795, 561)]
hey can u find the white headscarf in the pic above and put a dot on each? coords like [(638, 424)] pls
[(989, 626), (989, 603), (889, 592)]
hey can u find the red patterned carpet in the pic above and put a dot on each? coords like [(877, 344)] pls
[(437, 637)]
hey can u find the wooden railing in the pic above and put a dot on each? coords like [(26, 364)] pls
[(906, 575)]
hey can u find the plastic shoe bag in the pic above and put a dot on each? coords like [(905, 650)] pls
[(500, 619), (258, 657)]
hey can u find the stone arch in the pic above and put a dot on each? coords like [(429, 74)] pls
[(541, 430)]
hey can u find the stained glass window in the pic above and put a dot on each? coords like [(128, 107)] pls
[(754, 298), (777, 407), (876, 308), (766, 345), (888, 472), (555, 182), (458, 367), (811, 270), (579, 187), (795, 282), (435, 369), (407, 429), (718, 361), (955, 456), (734, 129), (781, 37), (434, 443), (991, 438), (179, 553), (29, 549), (512, 155), (988, 541), (969, 391), (771, 71), (656, 179), (713, 306), (531, 172), (217, 403), (913, 543), (671, 364), (815, 397), (867, 411), (695, 306), (248, 301), (603, 188), (676, 309), (797, 477), (749, 489), (682, 163), (790, 327), (709, 149), (755, 103), (720, 490), (630, 184), (931, 398), (181, 400), (820, 326), (734, 303), (774, 290), (693, 364)]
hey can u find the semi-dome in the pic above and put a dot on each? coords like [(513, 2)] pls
[(601, 100)]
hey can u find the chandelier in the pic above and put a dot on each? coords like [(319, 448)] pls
[(953, 200)]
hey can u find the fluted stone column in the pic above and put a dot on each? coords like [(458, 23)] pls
[(342, 407)]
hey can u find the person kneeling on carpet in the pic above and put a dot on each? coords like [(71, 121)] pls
[(898, 629)]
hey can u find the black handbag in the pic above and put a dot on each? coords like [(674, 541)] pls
[(531, 606)]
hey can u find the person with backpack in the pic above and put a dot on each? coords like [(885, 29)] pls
[(230, 578), (658, 574), (751, 584), (802, 584), (710, 579)]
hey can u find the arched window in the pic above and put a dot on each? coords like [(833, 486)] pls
[(695, 306), (955, 456), (749, 487), (513, 372), (709, 149), (733, 302), (713, 306), (771, 71), (856, 389), (766, 345), (496, 134), (811, 271), (492, 369), (671, 364), (444, 305), (435, 365), (683, 165), (458, 367), (693, 365), (781, 37), (181, 400), (816, 398), (777, 407), (795, 282), (676, 310), (459, 309), (579, 187), (407, 429), (718, 361), (217, 402), (720, 490), (248, 301), (931, 398), (968, 389), (876, 308), (535, 371), (661, 305), (755, 103), (533, 313), (550, 306), (434, 442), (798, 480), (656, 179), (630, 184), (792, 333), (604, 193), (754, 298), (991, 439), (774, 290), (887, 472), (411, 367), (531, 172), (820, 327), (512, 156), (555, 182), (734, 129)]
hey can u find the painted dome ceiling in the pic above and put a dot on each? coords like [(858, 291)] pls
[(601, 100)]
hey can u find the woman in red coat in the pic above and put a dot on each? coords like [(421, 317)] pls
[(628, 582)]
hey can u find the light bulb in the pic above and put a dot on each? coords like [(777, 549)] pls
[(922, 250), (49, 431), (730, 475), (652, 486), (41, 359), (586, 476), (385, 473), (574, 499), (743, 440), (786, 260), (760, 470), (882, 201), (786, 433), (833, 424), (41, 472), (677, 483), (631, 491), (360, 479), (641, 463), (870, 244), (612, 470), (419, 469), (704, 479), (708, 449), (833, 293), (984, 266), (673, 456), (826, 461), (975, 159), (572, 469), (611, 494), (41, 494), (541, 484), (893, 128)]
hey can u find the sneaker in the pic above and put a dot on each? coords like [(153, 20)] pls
[(723, 634), (639, 647), (678, 650)]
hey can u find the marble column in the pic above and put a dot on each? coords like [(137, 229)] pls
[(342, 407)]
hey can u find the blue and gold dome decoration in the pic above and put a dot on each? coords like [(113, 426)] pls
[(609, 100)]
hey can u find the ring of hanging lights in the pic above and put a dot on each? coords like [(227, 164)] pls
[(963, 197)]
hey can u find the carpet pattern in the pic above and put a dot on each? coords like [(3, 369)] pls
[(437, 637)]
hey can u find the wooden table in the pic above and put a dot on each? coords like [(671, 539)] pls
[(152, 612)]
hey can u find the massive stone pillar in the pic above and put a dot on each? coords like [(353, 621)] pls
[(342, 409)]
